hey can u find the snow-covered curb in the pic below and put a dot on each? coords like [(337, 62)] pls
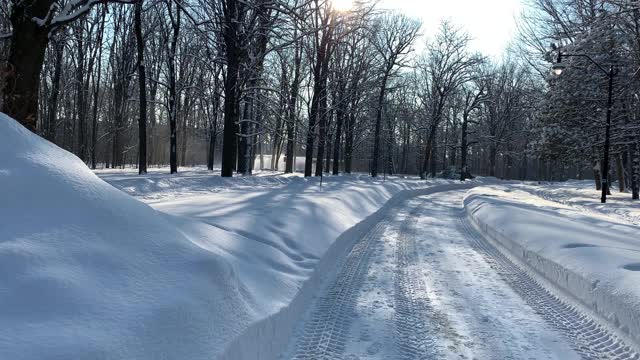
[(594, 262), (268, 338)]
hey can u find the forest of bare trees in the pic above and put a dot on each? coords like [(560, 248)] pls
[(239, 85)]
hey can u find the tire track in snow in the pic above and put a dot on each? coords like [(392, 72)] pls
[(589, 339), (416, 335), (325, 333)]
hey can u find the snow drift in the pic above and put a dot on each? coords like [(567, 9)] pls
[(594, 260), (86, 271)]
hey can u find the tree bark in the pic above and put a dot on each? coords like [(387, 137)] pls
[(463, 148), (173, 113), (635, 182), (596, 175), (81, 107), (493, 154), (323, 112), (95, 83), (376, 140), (319, 84), (340, 114), (142, 85), (231, 91), (26, 57), (50, 126), (96, 94), (244, 148), (428, 154), (213, 128), (313, 115), (620, 173), (292, 111), (348, 143)]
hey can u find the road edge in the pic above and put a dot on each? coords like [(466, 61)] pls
[(269, 337)]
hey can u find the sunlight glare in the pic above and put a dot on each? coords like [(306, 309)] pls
[(342, 5)]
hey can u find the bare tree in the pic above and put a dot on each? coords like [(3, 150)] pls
[(142, 88), (445, 67), (393, 39)]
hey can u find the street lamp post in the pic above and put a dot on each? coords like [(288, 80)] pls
[(557, 70)]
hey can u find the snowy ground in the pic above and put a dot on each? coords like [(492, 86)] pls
[(417, 286), (289, 233), (582, 195), (591, 257)]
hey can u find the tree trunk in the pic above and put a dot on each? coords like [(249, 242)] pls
[(339, 121), (389, 166), (184, 136), (213, 130), (493, 154), (432, 160), (211, 155), (50, 127), (428, 154), (620, 173), (596, 175), (329, 152), (635, 182), (173, 96), (244, 148), (445, 144), (142, 85), (231, 116), (292, 112), (231, 90), (376, 139), (81, 96), (463, 148), (153, 158), (348, 143), (26, 56), (320, 70), (96, 94), (313, 114), (95, 82), (291, 142), (323, 112)]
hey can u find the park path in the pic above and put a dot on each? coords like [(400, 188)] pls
[(423, 284)]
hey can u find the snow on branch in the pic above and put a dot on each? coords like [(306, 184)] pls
[(71, 11)]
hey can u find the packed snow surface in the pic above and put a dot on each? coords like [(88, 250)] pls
[(587, 254), (418, 287)]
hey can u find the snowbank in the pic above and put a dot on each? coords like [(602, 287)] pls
[(87, 271), (594, 260)]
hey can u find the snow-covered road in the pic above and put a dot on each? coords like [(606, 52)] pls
[(424, 285)]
